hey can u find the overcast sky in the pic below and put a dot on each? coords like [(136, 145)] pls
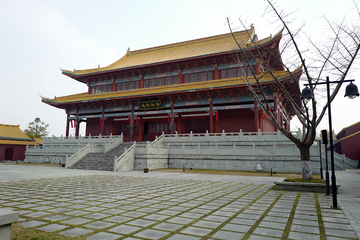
[(40, 36)]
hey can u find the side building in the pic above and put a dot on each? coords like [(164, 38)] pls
[(195, 85), (348, 142), (13, 143)]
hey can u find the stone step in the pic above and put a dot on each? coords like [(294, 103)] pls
[(101, 161)]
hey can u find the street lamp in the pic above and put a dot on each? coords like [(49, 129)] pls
[(351, 92)]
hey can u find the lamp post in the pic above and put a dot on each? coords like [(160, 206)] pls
[(351, 92)]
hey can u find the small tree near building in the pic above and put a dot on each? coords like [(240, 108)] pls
[(37, 129), (333, 56)]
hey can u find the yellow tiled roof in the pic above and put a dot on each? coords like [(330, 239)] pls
[(39, 141), (14, 142), (13, 133), (185, 87), (177, 51)]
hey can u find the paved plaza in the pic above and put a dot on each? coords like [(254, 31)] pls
[(177, 206)]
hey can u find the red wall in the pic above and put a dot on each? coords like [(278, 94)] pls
[(350, 147), (234, 120), (93, 126), (18, 152)]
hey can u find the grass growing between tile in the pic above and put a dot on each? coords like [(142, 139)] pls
[(233, 172), (320, 221), (314, 180), (18, 232), (291, 218), (257, 223)]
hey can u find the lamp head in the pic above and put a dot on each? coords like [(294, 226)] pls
[(351, 91), (306, 94)]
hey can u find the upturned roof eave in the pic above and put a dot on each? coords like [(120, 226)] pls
[(75, 76), (57, 104)]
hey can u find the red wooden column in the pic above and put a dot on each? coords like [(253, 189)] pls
[(179, 124), (141, 81), (113, 85), (211, 115), (141, 130), (102, 121), (216, 72), (180, 77), (256, 116), (276, 109), (172, 118), (77, 126), (132, 123), (67, 123), (257, 67)]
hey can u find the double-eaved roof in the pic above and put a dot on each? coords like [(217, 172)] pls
[(192, 49), (12, 135)]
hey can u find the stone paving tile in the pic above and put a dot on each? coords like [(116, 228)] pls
[(99, 225), (274, 225), (76, 232), (197, 231), (94, 209), (180, 220), (168, 226), (104, 236), (113, 211), (151, 234), (207, 224), (303, 236), (183, 237), (166, 203), (228, 235), (37, 214), (216, 218), (337, 226), (76, 213), (243, 221), (335, 220), (56, 218), (133, 214), (257, 237), (141, 223), (32, 223), (76, 221), (124, 229), (236, 228), (308, 222), (52, 227), (305, 229), (340, 233), (22, 212), (268, 232), (97, 215)]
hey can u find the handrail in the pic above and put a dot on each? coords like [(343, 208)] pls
[(114, 143), (158, 140), (77, 156), (123, 158), (83, 137), (341, 158), (224, 136)]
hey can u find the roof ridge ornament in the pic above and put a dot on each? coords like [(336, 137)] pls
[(128, 51)]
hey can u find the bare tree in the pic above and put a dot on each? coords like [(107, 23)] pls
[(335, 56)]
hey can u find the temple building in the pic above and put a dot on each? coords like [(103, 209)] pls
[(13, 143), (196, 85)]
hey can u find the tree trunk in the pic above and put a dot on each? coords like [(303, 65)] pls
[(305, 162)]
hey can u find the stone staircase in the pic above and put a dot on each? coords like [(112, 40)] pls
[(101, 161)]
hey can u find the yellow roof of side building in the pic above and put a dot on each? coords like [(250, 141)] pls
[(168, 89), (12, 135), (182, 50)]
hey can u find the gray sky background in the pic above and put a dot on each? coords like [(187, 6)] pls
[(40, 36)]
